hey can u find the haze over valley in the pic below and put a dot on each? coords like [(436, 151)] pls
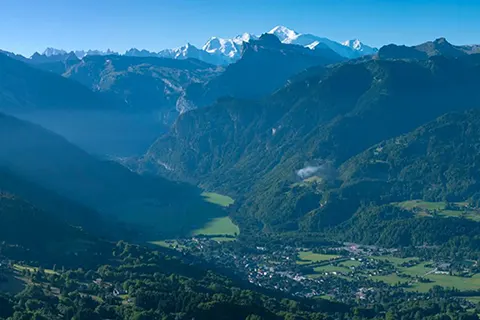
[(279, 175)]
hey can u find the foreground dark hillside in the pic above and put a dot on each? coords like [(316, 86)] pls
[(30, 234), (62, 208)]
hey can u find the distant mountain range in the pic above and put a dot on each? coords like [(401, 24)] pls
[(425, 50), (223, 51)]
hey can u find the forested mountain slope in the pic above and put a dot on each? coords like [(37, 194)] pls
[(436, 162), (255, 149)]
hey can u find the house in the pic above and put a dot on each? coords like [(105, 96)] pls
[(118, 291)]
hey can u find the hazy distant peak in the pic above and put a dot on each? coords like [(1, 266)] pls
[(358, 46), (53, 52)]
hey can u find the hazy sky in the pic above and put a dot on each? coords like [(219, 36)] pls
[(31, 25)]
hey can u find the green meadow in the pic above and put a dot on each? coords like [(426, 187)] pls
[(308, 257), (424, 209), (217, 198), (218, 226)]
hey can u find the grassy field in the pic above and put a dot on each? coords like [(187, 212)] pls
[(459, 283), (419, 270), (331, 268), (307, 257), (171, 244), (222, 239), (411, 204), (443, 280), (350, 263), (390, 279), (475, 299), (472, 215), (32, 269), (424, 206), (393, 260), (217, 226), (219, 199)]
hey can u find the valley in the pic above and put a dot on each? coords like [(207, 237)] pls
[(278, 176)]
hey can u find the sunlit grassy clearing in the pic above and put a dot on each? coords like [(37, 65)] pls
[(307, 257), (218, 226), (390, 279), (331, 268), (219, 199), (409, 205), (32, 269), (440, 207)]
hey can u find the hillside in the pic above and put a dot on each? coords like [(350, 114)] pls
[(436, 162), (98, 122), (259, 146), (25, 88), (30, 234), (62, 208), (407, 180), (48, 160), (145, 84)]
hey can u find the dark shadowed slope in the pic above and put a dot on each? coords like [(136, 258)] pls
[(30, 234), (48, 160), (64, 209)]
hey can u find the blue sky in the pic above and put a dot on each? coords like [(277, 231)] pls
[(31, 25)]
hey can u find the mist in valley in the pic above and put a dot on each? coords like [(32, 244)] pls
[(102, 133)]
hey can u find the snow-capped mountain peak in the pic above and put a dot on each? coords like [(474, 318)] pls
[(54, 52), (285, 34), (222, 51), (358, 46), (354, 44), (230, 48), (245, 37)]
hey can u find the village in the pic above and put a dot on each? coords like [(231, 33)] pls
[(346, 273)]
